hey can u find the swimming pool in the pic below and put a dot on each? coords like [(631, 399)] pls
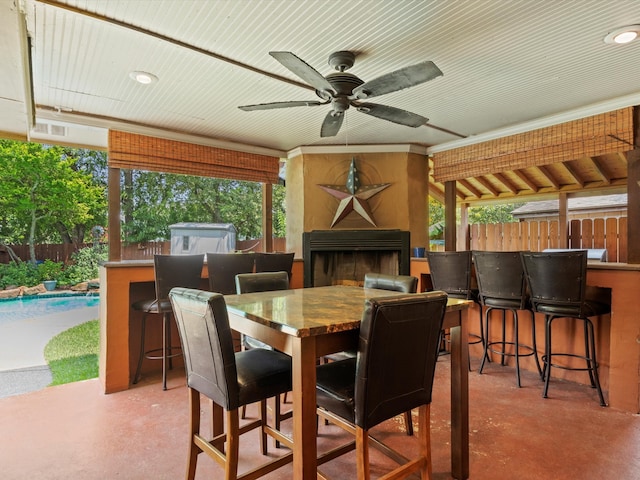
[(30, 307)]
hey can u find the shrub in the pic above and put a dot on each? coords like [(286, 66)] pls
[(49, 270), (18, 274), (84, 265)]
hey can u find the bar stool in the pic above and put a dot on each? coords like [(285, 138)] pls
[(263, 282), (558, 285), (169, 271), (451, 273), (502, 286), (274, 262), (223, 268)]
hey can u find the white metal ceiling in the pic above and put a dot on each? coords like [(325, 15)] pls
[(505, 62)]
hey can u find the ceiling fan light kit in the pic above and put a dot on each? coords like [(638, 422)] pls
[(343, 90)]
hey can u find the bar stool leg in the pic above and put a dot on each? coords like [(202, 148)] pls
[(516, 344), (534, 343), (594, 362), (143, 328), (165, 334), (547, 354), (485, 356)]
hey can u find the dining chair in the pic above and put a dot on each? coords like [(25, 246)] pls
[(451, 272), (223, 268), (169, 271), (558, 285), (263, 282), (359, 393), (274, 262), (396, 283), (229, 379), (502, 287)]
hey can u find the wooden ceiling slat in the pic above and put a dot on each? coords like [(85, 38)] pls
[(487, 184), (600, 171), (506, 182), (546, 173), (524, 177), (473, 190), (571, 171)]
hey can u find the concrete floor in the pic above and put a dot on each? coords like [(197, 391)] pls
[(74, 432)]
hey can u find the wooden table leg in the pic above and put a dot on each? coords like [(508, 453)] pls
[(460, 398), (304, 408)]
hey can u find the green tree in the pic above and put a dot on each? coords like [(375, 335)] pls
[(44, 197), (153, 201)]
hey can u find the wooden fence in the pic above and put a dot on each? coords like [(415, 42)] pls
[(609, 233)]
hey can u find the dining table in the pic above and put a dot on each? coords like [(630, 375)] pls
[(309, 323)]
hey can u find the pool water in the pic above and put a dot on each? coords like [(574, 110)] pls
[(31, 307)]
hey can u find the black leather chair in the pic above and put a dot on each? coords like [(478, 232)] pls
[(274, 262), (169, 271), (451, 272), (558, 285), (359, 393), (502, 286), (223, 268), (263, 282), (395, 283), (229, 379)]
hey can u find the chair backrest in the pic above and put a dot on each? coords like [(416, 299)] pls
[(223, 268), (176, 271), (274, 262), (207, 345), (396, 283), (557, 281), (261, 282), (451, 272), (501, 281), (397, 354)]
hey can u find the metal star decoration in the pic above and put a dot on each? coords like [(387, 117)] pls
[(354, 197)]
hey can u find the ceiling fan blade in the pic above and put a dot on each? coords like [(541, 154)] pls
[(302, 70), (398, 80), (270, 106), (392, 114), (332, 123)]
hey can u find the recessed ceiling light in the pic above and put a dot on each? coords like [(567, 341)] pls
[(623, 35), (144, 78)]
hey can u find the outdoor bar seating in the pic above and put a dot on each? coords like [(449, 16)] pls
[(502, 286), (451, 272), (223, 268), (169, 271), (558, 284)]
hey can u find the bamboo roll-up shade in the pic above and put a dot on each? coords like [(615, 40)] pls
[(587, 137), (140, 152)]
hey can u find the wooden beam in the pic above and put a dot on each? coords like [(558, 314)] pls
[(436, 192), (633, 194), (113, 199), (563, 222), (486, 184), (572, 173), (267, 217), (549, 176), (506, 182), (600, 171), (525, 178), (474, 191), (450, 215)]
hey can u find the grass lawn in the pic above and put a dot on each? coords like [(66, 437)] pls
[(73, 354)]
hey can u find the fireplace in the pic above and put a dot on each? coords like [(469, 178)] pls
[(344, 256)]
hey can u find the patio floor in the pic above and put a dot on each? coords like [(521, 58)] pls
[(74, 432)]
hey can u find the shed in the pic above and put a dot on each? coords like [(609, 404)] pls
[(192, 238)]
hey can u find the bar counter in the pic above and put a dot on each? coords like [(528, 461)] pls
[(618, 335)]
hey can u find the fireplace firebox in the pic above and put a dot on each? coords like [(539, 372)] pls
[(344, 256)]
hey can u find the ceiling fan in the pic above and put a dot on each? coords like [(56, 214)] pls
[(342, 90)]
